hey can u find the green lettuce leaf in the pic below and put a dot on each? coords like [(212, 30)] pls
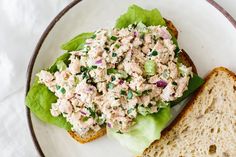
[(40, 98), (60, 60), (146, 130), (77, 42), (137, 14)]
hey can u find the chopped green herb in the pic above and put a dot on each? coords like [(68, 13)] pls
[(149, 105), (58, 87), (106, 48), (114, 54), (111, 71), (117, 46), (122, 74), (142, 35), (110, 85), (92, 113), (146, 92), (161, 104), (122, 92), (176, 51), (130, 110), (63, 91), (83, 68), (138, 93), (113, 78), (86, 49), (130, 94), (76, 80), (114, 38), (174, 83), (93, 36), (85, 119), (85, 75), (93, 67), (154, 53), (119, 132), (129, 78), (100, 120)]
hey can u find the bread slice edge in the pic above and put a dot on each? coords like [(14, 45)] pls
[(189, 106)]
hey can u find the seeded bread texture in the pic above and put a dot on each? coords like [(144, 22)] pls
[(207, 125)]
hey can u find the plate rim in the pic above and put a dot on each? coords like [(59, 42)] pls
[(44, 36)]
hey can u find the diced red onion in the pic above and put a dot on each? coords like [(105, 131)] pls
[(83, 112), (98, 61), (161, 83), (109, 125), (135, 34), (89, 89), (121, 82)]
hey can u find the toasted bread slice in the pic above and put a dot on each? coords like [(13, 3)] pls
[(207, 125), (185, 59), (91, 135), (172, 28)]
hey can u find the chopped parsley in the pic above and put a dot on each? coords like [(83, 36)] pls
[(119, 132), (92, 113), (58, 87), (83, 68), (114, 38), (138, 93), (84, 119), (94, 36), (174, 83), (63, 91), (114, 54), (146, 92), (117, 45), (85, 75), (111, 71), (122, 92), (129, 78), (130, 110), (93, 67), (106, 48), (110, 85), (113, 78), (130, 94), (154, 53)]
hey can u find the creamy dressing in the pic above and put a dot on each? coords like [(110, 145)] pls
[(116, 76)]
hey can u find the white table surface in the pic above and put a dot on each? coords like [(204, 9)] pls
[(21, 25)]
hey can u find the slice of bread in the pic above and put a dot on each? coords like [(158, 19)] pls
[(185, 59), (90, 136), (172, 28), (207, 125)]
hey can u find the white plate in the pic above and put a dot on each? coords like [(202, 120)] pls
[(204, 32)]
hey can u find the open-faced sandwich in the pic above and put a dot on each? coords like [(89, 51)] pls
[(122, 81)]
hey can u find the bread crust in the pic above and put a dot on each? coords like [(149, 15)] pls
[(172, 28), (90, 137), (189, 106)]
